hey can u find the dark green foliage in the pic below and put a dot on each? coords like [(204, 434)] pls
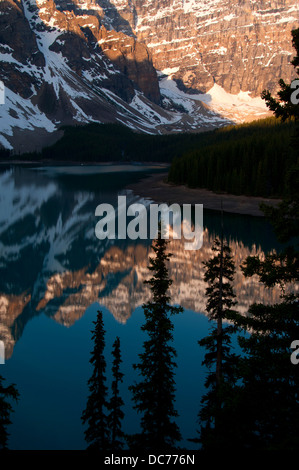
[(114, 142), (281, 268), (219, 275), (5, 154), (270, 380), (269, 397), (283, 107), (277, 268), (219, 359), (154, 396), (6, 395), (116, 414), (251, 159), (97, 433)]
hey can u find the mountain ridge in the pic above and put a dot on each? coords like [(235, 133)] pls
[(73, 62)]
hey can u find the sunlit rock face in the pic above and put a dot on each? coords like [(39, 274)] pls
[(239, 45), (65, 67), (154, 66), (39, 33)]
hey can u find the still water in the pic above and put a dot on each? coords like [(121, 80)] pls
[(54, 276)]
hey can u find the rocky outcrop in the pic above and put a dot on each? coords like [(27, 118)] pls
[(240, 45), (18, 47), (76, 61), (131, 58), (76, 37), (15, 31)]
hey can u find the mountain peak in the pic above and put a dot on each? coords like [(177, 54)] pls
[(144, 64)]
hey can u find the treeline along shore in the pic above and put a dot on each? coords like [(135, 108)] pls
[(250, 159)]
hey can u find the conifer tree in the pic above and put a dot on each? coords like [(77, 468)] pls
[(284, 107), (270, 380), (154, 395), (219, 359), (282, 267), (116, 414), (97, 433), (268, 399), (284, 218), (6, 395)]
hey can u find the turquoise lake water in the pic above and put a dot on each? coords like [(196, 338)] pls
[(54, 276)]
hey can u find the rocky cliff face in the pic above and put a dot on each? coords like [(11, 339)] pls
[(240, 45), (65, 67), (32, 27), (162, 66)]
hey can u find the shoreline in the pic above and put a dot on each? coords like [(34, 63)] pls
[(154, 187), (85, 163)]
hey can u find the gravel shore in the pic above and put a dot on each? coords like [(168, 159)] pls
[(156, 188)]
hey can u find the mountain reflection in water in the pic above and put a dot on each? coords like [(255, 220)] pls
[(52, 262)]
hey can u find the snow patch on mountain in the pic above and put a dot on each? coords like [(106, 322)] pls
[(225, 106), (153, 116), (18, 112), (80, 66)]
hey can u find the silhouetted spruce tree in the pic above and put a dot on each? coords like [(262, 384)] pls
[(154, 396), (216, 409), (269, 396), (116, 414), (283, 107), (6, 395), (268, 399), (284, 266), (97, 433), (270, 392)]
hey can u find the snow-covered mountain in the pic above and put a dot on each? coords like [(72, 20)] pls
[(156, 66)]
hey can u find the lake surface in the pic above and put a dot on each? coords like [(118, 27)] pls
[(54, 276)]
